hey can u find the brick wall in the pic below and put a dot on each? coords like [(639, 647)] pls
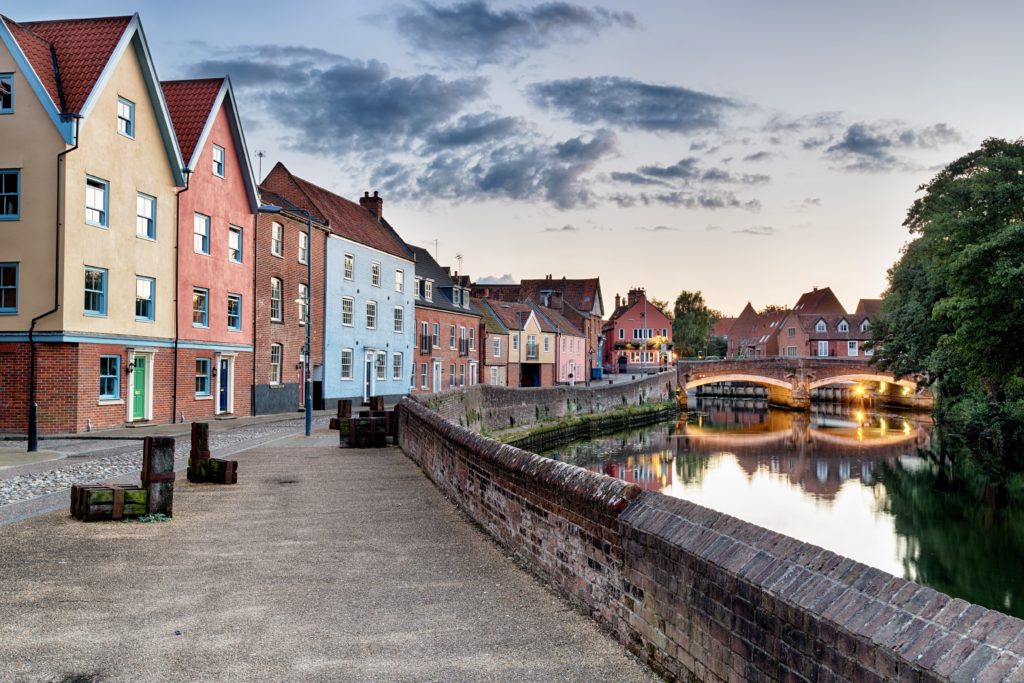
[(198, 408), (702, 596)]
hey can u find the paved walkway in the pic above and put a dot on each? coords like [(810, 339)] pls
[(320, 564)]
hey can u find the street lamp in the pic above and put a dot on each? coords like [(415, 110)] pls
[(307, 361)]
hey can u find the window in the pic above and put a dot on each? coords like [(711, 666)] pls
[(8, 288), (275, 364), (451, 375), (96, 191), (622, 333), (350, 267), (234, 244), (451, 332), (375, 274), (462, 375), (472, 339), (303, 248), (201, 234), (563, 344), (465, 298), (371, 315), (218, 161), (435, 338), (235, 312), (144, 292), (346, 363), (396, 366), (6, 93), (864, 325), (419, 287), (202, 376), (399, 280), (515, 342), (496, 343), (95, 291), (822, 348), (790, 350), (821, 326), (303, 301), (110, 378), (399, 319), (457, 296), (423, 376), (851, 348), (844, 326), (276, 309), (346, 310), (145, 216), (547, 343), (791, 332), (380, 365), (277, 239), (10, 194), (200, 307), (125, 117), (494, 374), (428, 290)]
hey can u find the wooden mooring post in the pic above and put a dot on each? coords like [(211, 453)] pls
[(158, 474)]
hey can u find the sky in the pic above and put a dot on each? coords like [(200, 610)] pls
[(745, 149)]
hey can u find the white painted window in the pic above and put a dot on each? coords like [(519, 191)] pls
[(346, 363), (375, 274), (844, 326), (303, 248), (622, 333), (821, 326), (277, 239), (399, 280), (851, 348), (346, 311), (496, 343), (275, 364), (276, 308), (822, 348), (428, 290), (303, 301), (396, 366), (350, 267), (218, 161), (371, 315), (399, 319)]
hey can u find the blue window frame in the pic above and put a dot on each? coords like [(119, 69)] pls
[(202, 376), (235, 312), (218, 161), (95, 291), (145, 291), (200, 307), (126, 117), (8, 288), (145, 216), (10, 194), (97, 194), (110, 377), (6, 93), (201, 234)]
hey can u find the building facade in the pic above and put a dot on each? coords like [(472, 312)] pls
[(570, 347), (494, 351), (638, 336)]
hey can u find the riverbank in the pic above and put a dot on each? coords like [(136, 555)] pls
[(547, 435)]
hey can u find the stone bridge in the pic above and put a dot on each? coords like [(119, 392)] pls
[(790, 381)]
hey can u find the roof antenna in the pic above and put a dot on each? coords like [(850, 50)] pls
[(260, 154), (435, 248), (458, 257)]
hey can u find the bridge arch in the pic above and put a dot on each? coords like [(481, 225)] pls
[(862, 377), (738, 377)]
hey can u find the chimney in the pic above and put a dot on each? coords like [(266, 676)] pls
[(618, 301), (375, 203), (635, 294), (555, 301)]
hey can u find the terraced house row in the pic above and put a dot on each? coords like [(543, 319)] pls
[(145, 276)]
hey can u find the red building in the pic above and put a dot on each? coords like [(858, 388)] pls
[(638, 336), (216, 252), (447, 329)]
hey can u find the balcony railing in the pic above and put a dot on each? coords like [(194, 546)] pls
[(425, 343), (463, 347), (531, 352)]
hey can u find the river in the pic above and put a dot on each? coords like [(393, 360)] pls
[(845, 479)]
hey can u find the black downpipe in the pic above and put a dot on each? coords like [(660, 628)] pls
[(33, 415), (177, 312), (255, 250)]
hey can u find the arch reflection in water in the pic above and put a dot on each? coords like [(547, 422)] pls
[(844, 479)]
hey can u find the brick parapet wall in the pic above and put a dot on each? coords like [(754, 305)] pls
[(700, 595)]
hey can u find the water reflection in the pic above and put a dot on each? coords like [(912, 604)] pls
[(841, 478)]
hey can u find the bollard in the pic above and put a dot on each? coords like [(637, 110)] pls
[(158, 474), (376, 403), (344, 409)]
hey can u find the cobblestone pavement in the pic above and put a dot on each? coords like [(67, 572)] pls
[(92, 461)]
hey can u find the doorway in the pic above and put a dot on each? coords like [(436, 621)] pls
[(225, 385), (368, 376), (437, 376), (139, 386)]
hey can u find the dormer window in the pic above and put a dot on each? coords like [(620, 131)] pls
[(821, 326), (457, 296), (125, 117), (843, 326), (419, 287), (428, 290), (865, 325), (465, 298)]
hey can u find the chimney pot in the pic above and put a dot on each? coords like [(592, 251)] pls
[(374, 204)]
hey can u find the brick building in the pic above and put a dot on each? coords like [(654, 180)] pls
[(638, 336), (495, 347), (447, 329), (531, 347)]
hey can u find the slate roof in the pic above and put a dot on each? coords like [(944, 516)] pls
[(491, 322), (82, 47), (190, 104), (346, 218), (428, 268)]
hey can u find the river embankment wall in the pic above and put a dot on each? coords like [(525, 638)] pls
[(696, 594)]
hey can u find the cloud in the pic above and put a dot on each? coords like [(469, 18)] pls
[(763, 155), (635, 179), (713, 228), (472, 33), (659, 228), (827, 120), (505, 279), (812, 201), (760, 230), (873, 147), (684, 168), (632, 104), (686, 200), (332, 104), (473, 129), (564, 228)]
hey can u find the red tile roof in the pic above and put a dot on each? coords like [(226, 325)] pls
[(561, 324), (83, 48), (190, 104), (819, 301), (722, 327), (580, 294), (347, 219), (868, 308)]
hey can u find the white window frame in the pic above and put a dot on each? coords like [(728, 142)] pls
[(222, 163), (141, 219), (349, 271), (397, 363), (852, 348), (843, 326), (371, 315), (277, 239), (399, 280), (275, 367), (303, 303), (348, 307), (277, 302), (428, 290), (822, 346), (346, 372), (496, 346), (399, 320), (375, 273), (820, 326), (234, 230), (303, 248)]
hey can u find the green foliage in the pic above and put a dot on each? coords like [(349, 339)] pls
[(954, 311), (771, 308), (691, 324), (660, 304)]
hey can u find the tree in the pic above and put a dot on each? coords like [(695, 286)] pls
[(691, 324), (771, 308), (953, 310), (660, 304)]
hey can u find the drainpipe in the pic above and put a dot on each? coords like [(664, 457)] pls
[(255, 236), (33, 416), (177, 312)]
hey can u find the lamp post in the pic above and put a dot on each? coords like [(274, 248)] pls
[(307, 355)]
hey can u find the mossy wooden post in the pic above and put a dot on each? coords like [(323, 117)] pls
[(344, 409), (200, 440), (376, 403), (158, 473)]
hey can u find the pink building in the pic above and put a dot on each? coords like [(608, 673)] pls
[(570, 348), (638, 336), (216, 252)]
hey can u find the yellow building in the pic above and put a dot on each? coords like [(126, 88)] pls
[(89, 171)]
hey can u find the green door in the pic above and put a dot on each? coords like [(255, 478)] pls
[(139, 389)]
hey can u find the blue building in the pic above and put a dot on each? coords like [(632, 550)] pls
[(370, 327)]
